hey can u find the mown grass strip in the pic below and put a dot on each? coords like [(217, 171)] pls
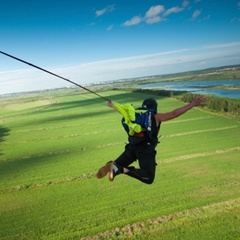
[(161, 226), (93, 174), (196, 155)]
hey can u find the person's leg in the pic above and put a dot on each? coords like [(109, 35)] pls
[(146, 157), (120, 165), (146, 172), (125, 159)]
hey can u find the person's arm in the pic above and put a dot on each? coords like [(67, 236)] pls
[(179, 111), (111, 105)]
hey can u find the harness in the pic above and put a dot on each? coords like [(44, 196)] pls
[(149, 132), (144, 119), (140, 124)]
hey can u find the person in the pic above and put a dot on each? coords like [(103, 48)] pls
[(141, 148)]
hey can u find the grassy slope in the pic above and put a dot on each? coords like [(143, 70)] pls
[(53, 146)]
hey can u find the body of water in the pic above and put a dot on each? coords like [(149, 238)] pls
[(199, 87)]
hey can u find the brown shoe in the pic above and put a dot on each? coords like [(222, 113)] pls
[(103, 171)]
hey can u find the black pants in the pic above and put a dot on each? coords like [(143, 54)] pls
[(145, 154)]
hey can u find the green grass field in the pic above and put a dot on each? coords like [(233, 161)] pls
[(52, 144)]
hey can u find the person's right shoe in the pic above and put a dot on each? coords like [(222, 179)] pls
[(114, 170), (103, 171)]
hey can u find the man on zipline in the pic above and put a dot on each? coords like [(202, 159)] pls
[(140, 146)]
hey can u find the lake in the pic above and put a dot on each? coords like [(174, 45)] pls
[(200, 87)]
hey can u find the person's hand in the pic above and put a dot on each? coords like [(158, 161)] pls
[(109, 104), (198, 101)]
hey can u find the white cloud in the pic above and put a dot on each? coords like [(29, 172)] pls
[(154, 19), (27, 80), (156, 14), (154, 11), (110, 27), (177, 9), (196, 14), (107, 9), (185, 3), (224, 45), (152, 15), (134, 21), (173, 10), (100, 12)]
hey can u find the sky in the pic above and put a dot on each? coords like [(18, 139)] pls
[(90, 41)]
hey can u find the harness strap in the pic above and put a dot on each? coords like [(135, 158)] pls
[(140, 134)]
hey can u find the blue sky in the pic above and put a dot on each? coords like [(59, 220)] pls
[(89, 41)]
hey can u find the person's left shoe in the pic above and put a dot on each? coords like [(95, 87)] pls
[(114, 170), (103, 171)]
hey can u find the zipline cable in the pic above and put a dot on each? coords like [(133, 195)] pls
[(44, 70)]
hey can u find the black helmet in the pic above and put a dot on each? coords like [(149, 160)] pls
[(150, 103)]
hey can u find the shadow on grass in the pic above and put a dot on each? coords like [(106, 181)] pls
[(121, 98), (4, 131), (65, 118), (86, 109), (28, 170)]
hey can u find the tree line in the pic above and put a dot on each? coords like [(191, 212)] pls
[(216, 104)]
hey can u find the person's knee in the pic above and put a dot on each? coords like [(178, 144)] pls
[(141, 175), (149, 180)]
